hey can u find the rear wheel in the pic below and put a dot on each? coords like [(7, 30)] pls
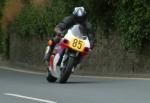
[(65, 72)]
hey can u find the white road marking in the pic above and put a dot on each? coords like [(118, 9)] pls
[(22, 71), (119, 78), (93, 77), (29, 98)]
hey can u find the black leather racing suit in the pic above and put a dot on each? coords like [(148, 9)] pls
[(69, 21)]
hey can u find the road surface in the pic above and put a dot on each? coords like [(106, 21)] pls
[(20, 87)]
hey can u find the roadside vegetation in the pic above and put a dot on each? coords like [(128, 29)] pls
[(30, 18), (1, 6)]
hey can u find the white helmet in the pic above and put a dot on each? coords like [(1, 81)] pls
[(79, 14)]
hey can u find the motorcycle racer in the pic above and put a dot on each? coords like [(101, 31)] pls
[(79, 16)]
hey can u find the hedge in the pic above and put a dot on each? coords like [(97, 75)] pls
[(38, 21), (131, 18), (1, 6), (133, 22)]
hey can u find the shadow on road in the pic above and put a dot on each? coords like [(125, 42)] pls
[(99, 81), (83, 82)]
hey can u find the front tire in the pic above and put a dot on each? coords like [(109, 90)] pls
[(50, 78), (65, 72)]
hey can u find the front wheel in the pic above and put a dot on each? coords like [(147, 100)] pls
[(50, 78), (65, 72)]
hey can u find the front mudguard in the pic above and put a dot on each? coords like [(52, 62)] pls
[(53, 68)]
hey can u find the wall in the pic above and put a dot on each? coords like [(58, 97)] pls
[(108, 56), (27, 52)]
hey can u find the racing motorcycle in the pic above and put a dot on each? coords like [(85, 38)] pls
[(67, 54)]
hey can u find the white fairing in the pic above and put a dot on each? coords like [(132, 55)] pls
[(55, 71), (73, 32)]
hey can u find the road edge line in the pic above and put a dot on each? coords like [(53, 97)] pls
[(29, 98), (22, 71), (96, 77)]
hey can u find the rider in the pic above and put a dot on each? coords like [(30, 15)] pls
[(79, 16)]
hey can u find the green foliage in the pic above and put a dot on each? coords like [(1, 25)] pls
[(1, 6), (133, 22), (1, 50), (38, 21), (29, 22), (132, 18), (99, 11), (70, 4)]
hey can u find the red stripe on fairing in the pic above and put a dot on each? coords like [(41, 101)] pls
[(63, 45), (52, 61)]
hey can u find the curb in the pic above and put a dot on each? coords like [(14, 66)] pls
[(79, 76)]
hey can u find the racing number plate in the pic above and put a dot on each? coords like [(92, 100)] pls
[(77, 44)]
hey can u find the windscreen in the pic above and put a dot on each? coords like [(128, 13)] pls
[(76, 31)]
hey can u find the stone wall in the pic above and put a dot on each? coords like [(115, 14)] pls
[(108, 57), (27, 52)]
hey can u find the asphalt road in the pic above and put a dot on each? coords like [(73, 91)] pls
[(18, 87)]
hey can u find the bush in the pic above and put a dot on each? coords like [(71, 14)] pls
[(38, 21), (131, 18), (1, 6), (133, 22)]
